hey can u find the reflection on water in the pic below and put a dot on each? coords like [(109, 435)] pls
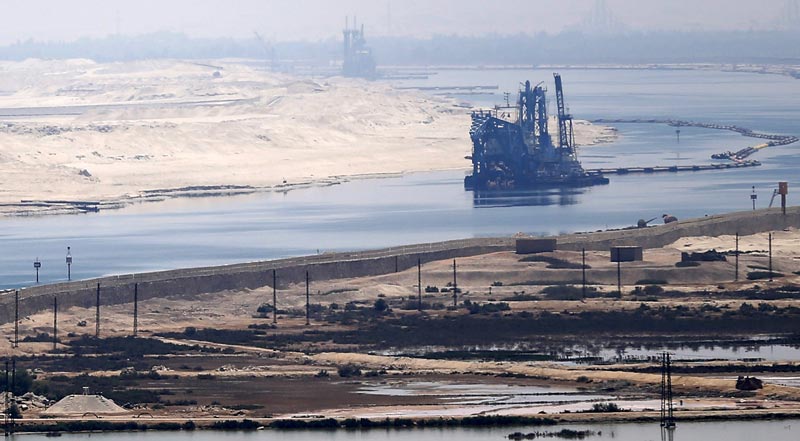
[(775, 430), (526, 198)]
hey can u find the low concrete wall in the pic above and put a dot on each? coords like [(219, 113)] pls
[(744, 223), (186, 282)]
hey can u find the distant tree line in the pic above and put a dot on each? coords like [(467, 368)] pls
[(519, 49)]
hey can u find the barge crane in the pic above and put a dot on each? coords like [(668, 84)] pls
[(512, 148)]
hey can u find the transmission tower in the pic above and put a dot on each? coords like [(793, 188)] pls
[(667, 407)]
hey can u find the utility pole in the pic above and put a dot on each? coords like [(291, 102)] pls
[(419, 284), (6, 426), (308, 301), (55, 322), (135, 309), (667, 407), (736, 274), (13, 376), (619, 276), (455, 285), (97, 314), (583, 270), (770, 257), (274, 296), (13, 391), (16, 318), (753, 197)]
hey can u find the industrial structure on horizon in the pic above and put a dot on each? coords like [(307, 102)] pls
[(358, 61), (512, 148)]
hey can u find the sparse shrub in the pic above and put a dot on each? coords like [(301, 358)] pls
[(265, 308), (41, 337), (554, 262), (486, 308), (653, 290), (381, 305), (350, 306), (652, 282), (747, 309), (759, 275), (565, 292), (606, 407), (349, 370)]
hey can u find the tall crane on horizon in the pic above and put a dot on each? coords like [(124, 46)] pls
[(790, 16), (269, 52)]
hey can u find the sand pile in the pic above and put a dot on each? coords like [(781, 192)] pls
[(79, 405)]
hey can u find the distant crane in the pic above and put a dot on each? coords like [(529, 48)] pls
[(790, 15), (269, 52), (601, 20), (566, 136)]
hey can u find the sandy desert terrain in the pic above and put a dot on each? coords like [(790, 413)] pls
[(79, 130)]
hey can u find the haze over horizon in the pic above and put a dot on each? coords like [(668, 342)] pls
[(313, 20)]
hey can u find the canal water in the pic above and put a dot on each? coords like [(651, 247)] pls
[(779, 430), (426, 207)]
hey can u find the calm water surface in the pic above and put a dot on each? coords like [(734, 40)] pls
[(785, 430)]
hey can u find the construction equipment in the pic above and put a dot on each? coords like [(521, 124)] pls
[(641, 223), (512, 148), (772, 199), (269, 52), (358, 61)]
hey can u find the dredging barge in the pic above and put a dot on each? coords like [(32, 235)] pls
[(512, 148)]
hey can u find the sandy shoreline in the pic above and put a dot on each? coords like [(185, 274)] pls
[(112, 134)]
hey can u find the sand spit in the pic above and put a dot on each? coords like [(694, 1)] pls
[(110, 134)]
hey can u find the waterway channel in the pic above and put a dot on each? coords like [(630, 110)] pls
[(425, 207)]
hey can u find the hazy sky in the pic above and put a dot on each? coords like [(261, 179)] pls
[(67, 20)]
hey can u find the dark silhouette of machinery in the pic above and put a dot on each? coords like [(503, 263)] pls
[(358, 60), (512, 148), (641, 223)]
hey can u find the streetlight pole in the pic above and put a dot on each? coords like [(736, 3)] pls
[(36, 265), (69, 264)]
